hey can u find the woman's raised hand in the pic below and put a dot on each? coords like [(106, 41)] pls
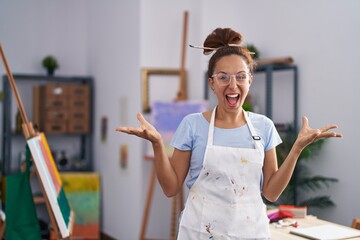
[(145, 130), (307, 135)]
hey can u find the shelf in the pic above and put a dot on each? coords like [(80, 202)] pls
[(268, 70), (77, 145)]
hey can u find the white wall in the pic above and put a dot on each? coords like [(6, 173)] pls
[(30, 30), (112, 40)]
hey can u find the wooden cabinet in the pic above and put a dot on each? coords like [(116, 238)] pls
[(62, 108)]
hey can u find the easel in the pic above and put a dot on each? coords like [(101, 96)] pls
[(29, 132), (177, 206), (178, 200), (182, 94)]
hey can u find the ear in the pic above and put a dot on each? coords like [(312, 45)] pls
[(211, 83), (250, 79)]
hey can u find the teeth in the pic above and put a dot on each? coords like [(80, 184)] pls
[(233, 95)]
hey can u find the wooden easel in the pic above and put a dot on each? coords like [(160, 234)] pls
[(178, 200), (182, 93), (177, 206), (29, 132)]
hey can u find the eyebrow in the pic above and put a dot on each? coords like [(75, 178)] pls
[(243, 71)]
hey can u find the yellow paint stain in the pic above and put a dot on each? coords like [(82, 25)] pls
[(243, 160)]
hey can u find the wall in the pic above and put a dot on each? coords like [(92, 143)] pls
[(112, 40), (29, 30)]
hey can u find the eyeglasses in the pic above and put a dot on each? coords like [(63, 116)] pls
[(224, 78)]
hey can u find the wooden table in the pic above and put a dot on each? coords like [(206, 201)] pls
[(282, 233)]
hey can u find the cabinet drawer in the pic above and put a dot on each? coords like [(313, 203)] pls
[(79, 91), (78, 127), (55, 90), (56, 115), (54, 127), (78, 104), (79, 115), (55, 102)]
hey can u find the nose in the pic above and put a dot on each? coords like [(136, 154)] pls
[(233, 84)]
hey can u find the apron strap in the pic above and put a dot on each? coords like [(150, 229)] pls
[(211, 128), (255, 137)]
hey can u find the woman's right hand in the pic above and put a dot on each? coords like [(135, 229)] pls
[(145, 130)]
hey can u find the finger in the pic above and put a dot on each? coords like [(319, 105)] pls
[(330, 134), (328, 127), (128, 130), (135, 131), (305, 121), (141, 119), (338, 135), (123, 129)]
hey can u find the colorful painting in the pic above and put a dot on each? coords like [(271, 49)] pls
[(83, 193), (50, 178), (166, 117)]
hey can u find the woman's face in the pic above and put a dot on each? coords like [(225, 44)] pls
[(231, 94)]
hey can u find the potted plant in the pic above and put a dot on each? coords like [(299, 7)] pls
[(50, 63), (302, 182)]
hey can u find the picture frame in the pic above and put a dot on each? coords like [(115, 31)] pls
[(147, 73)]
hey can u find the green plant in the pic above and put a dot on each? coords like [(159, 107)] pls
[(50, 63), (254, 50), (301, 181)]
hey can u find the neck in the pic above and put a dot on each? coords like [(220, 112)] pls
[(225, 119)]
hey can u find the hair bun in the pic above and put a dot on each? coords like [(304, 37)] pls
[(221, 37)]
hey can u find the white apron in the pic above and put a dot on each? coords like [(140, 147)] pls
[(225, 201)]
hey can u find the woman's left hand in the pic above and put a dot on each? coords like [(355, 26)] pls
[(308, 135)]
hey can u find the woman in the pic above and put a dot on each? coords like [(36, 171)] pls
[(228, 153)]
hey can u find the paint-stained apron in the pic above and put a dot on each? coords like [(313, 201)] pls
[(225, 201)]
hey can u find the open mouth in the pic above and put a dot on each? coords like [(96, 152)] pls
[(232, 99)]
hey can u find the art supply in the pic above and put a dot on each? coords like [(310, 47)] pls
[(326, 232)]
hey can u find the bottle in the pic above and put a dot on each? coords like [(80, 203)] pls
[(63, 160)]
